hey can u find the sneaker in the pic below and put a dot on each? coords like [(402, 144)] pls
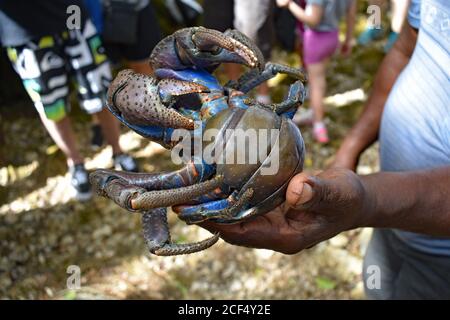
[(320, 132), (97, 136), (80, 182), (125, 162), (369, 35), (390, 41)]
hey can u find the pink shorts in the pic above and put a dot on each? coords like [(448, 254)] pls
[(319, 45)]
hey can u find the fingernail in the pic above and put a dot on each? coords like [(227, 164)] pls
[(305, 195)]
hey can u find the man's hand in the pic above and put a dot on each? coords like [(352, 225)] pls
[(316, 208)]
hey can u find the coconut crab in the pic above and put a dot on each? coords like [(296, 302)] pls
[(154, 107)]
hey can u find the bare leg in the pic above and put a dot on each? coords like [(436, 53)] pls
[(317, 87), (110, 128), (264, 93), (233, 71), (142, 67), (64, 137), (95, 120)]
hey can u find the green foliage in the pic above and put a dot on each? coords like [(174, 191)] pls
[(325, 283)]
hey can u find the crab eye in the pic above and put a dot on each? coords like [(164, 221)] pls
[(215, 50)]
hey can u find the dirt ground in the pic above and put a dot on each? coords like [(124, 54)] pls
[(43, 230)]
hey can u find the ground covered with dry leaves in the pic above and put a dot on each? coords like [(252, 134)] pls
[(43, 230)]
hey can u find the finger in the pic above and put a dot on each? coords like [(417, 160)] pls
[(255, 233), (221, 228), (299, 191)]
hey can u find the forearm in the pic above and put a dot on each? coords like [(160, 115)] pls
[(413, 201), (365, 131), (302, 15)]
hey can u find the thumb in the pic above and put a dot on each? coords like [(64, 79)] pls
[(299, 191)]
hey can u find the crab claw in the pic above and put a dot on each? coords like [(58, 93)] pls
[(205, 49), (157, 236), (231, 46), (136, 99)]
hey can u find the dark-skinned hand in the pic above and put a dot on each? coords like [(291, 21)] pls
[(316, 208)]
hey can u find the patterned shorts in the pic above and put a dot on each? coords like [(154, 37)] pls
[(48, 64)]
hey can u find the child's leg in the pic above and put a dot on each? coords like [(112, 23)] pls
[(42, 67), (142, 67), (110, 129), (47, 85), (232, 70), (318, 48), (93, 74), (62, 134), (317, 88)]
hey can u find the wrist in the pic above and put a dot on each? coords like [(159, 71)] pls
[(368, 214), (352, 146)]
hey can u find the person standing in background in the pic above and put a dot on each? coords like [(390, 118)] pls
[(320, 41), (132, 47), (47, 54)]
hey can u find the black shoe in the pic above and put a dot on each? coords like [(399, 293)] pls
[(97, 137), (80, 182), (125, 162)]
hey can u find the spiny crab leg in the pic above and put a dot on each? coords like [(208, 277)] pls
[(253, 78), (135, 198), (157, 236), (154, 212), (138, 99), (170, 197)]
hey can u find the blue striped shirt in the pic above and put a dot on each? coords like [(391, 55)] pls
[(415, 127)]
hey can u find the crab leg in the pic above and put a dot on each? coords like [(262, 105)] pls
[(157, 236), (171, 197), (220, 209), (135, 198), (293, 101), (253, 78), (190, 174)]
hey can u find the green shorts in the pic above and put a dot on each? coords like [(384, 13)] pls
[(46, 66)]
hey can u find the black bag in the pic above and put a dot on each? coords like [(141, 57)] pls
[(120, 22), (285, 24)]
